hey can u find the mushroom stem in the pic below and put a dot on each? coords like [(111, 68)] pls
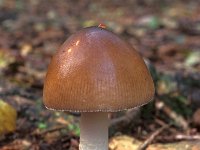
[(94, 131)]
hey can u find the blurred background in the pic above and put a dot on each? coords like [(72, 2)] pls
[(165, 32)]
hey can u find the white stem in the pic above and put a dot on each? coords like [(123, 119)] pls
[(94, 131)]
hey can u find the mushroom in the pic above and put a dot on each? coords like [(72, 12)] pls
[(95, 72)]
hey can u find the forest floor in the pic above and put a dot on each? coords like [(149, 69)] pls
[(166, 33)]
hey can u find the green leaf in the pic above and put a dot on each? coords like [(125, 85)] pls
[(154, 22), (42, 125)]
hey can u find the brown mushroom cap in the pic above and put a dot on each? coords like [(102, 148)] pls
[(94, 70)]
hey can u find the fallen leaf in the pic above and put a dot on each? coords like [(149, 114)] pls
[(8, 117)]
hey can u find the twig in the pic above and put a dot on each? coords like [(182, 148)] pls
[(172, 114), (127, 118), (187, 137), (152, 137), (162, 123), (51, 130)]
